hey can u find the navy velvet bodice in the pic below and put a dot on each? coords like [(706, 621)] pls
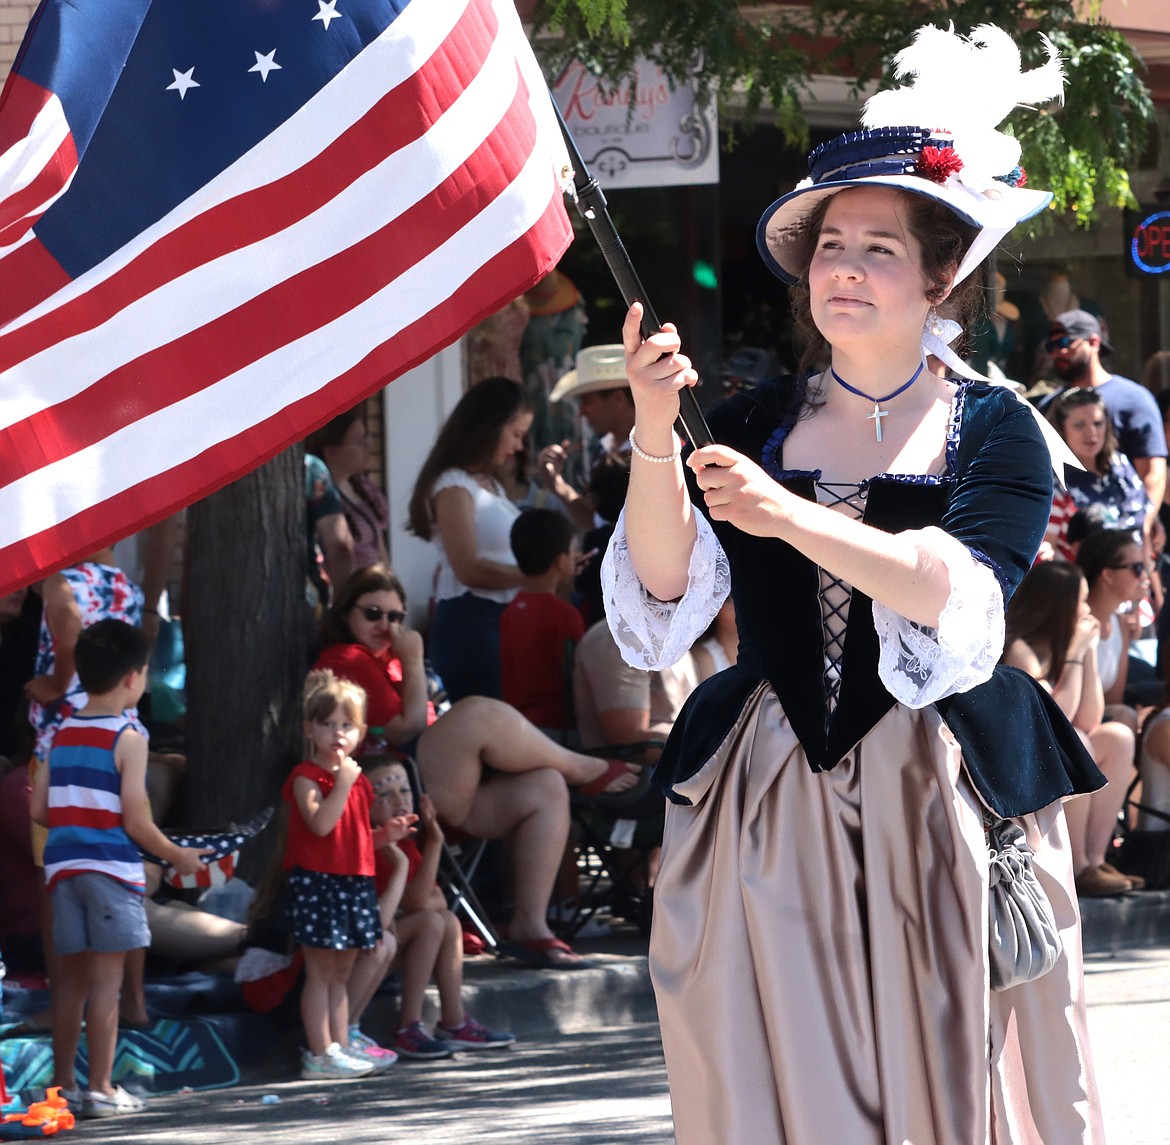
[(994, 498)]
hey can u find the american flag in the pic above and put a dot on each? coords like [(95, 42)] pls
[(222, 222)]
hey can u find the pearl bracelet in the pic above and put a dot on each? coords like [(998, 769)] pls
[(640, 452)]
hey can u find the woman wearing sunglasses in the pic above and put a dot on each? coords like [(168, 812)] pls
[(1113, 561), (491, 773)]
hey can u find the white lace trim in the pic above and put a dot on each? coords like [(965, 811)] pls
[(651, 633), (919, 664)]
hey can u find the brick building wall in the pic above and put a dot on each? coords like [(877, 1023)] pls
[(14, 18)]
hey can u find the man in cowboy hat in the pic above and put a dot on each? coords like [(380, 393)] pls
[(1075, 344), (603, 397)]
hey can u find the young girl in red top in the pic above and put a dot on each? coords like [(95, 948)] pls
[(330, 859), (429, 937)]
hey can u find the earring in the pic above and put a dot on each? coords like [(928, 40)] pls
[(934, 323)]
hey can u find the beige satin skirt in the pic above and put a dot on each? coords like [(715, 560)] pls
[(819, 953)]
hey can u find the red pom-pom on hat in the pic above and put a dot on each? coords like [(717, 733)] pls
[(938, 164)]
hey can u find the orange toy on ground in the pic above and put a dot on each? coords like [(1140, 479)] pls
[(41, 1119)]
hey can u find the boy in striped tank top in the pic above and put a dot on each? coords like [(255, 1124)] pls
[(92, 798)]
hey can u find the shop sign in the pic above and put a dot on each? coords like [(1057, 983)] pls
[(1149, 240), (652, 136)]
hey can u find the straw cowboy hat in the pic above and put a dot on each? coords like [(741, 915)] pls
[(553, 294), (598, 368)]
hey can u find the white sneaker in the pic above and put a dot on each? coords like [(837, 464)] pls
[(363, 1046), (333, 1064), (95, 1104)]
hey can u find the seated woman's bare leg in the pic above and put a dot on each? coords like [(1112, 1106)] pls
[(532, 809), (1113, 752), (479, 730)]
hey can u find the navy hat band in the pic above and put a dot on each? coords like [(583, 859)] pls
[(876, 151)]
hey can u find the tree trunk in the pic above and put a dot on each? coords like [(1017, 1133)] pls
[(245, 632)]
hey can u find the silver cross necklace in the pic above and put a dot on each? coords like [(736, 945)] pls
[(878, 412)]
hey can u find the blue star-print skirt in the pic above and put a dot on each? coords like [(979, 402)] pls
[(337, 912)]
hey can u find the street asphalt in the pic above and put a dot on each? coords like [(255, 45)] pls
[(608, 1086)]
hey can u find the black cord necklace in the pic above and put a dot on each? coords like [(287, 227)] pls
[(878, 412)]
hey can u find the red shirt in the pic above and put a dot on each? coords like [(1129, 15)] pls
[(349, 848), (533, 631), (380, 677), (383, 869)]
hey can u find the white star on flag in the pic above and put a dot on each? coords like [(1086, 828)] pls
[(183, 82), (265, 64), (327, 11)]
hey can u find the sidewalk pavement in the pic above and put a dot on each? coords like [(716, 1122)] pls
[(608, 1086)]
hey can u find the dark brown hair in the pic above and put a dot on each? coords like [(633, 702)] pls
[(468, 440), (1074, 398), (1099, 551), (373, 578), (1043, 611), (332, 433), (538, 537), (943, 239), (108, 651)]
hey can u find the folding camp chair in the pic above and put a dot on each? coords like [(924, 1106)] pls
[(614, 836), (1142, 851), (457, 865)]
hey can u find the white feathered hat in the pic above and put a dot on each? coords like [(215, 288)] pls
[(967, 84)]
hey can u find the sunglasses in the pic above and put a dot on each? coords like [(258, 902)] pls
[(373, 614), (1138, 568), (1061, 343)]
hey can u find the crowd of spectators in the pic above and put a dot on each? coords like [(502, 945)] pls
[(492, 724), (1089, 619)]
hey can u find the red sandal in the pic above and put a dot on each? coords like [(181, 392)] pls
[(613, 769), (539, 952)]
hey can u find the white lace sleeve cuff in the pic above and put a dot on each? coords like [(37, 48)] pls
[(655, 634), (919, 664)]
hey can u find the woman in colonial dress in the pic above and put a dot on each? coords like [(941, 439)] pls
[(820, 942)]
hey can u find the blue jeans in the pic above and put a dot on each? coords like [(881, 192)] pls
[(465, 646)]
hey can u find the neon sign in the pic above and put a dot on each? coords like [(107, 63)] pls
[(1149, 249)]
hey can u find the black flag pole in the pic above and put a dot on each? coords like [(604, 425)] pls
[(591, 203)]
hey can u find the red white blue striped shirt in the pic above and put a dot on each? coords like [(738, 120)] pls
[(86, 834)]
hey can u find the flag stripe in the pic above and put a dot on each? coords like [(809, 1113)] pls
[(23, 209), (30, 274), (21, 104), (228, 459)]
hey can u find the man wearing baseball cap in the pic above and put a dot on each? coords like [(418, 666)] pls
[(603, 397), (1075, 344)]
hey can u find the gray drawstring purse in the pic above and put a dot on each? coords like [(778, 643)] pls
[(1023, 942)]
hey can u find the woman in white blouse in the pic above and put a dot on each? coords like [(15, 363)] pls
[(459, 504)]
